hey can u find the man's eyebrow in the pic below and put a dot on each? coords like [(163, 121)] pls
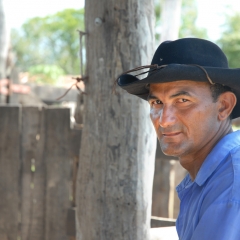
[(150, 97), (180, 93)]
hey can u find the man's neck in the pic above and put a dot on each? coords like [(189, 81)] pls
[(192, 163)]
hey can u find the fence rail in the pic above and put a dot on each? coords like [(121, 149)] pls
[(38, 161)]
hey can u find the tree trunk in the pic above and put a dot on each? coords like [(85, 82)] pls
[(118, 141), (170, 19)]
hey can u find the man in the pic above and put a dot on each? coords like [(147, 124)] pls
[(193, 96)]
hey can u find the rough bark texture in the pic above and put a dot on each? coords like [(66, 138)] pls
[(118, 141), (170, 19)]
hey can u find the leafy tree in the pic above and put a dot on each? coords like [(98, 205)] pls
[(49, 41), (49, 74), (230, 40)]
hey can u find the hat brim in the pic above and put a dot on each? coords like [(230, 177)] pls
[(177, 72)]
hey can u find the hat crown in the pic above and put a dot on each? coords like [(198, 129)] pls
[(190, 51)]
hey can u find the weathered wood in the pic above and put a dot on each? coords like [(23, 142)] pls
[(161, 188), (164, 187), (41, 175), (180, 173), (58, 169), (74, 145), (118, 142), (74, 142), (9, 172), (33, 174), (71, 223), (162, 222)]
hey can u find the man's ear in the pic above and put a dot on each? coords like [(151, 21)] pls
[(227, 102)]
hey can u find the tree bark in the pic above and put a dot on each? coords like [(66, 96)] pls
[(170, 19), (118, 144)]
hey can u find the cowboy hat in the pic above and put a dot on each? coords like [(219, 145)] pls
[(185, 59)]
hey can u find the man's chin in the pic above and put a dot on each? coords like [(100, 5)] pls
[(170, 151)]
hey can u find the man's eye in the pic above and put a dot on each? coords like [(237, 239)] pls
[(183, 100), (156, 102)]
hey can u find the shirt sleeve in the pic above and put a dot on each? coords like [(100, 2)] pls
[(220, 221)]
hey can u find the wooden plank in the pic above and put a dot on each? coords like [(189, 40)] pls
[(58, 170), (161, 184), (33, 174), (74, 146), (74, 142), (9, 172), (180, 174), (162, 222)]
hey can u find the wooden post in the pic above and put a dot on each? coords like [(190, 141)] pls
[(58, 173), (118, 143)]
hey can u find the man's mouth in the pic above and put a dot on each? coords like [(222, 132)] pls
[(170, 134)]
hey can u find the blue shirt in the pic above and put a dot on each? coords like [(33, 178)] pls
[(210, 205)]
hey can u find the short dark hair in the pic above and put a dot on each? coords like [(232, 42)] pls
[(217, 89)]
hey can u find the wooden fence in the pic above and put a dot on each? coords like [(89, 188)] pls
[(38, 169), (38, 165)]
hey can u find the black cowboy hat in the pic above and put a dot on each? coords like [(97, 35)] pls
[(185, 59)]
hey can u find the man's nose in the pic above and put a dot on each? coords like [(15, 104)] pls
[(167, 116)]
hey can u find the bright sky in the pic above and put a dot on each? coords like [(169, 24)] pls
[(210, 12), (18, 11)]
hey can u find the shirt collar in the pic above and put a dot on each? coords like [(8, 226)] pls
[(212, 161), (217, 155)]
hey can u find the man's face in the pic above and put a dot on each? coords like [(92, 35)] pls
[(184, 116)]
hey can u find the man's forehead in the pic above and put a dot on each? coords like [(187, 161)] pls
[(178, 84)]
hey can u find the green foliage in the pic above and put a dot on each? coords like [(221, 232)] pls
[(230, 40), (50, 40), (49, 74), (46, 42)]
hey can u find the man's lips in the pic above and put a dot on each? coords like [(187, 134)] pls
[(171, 134)]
